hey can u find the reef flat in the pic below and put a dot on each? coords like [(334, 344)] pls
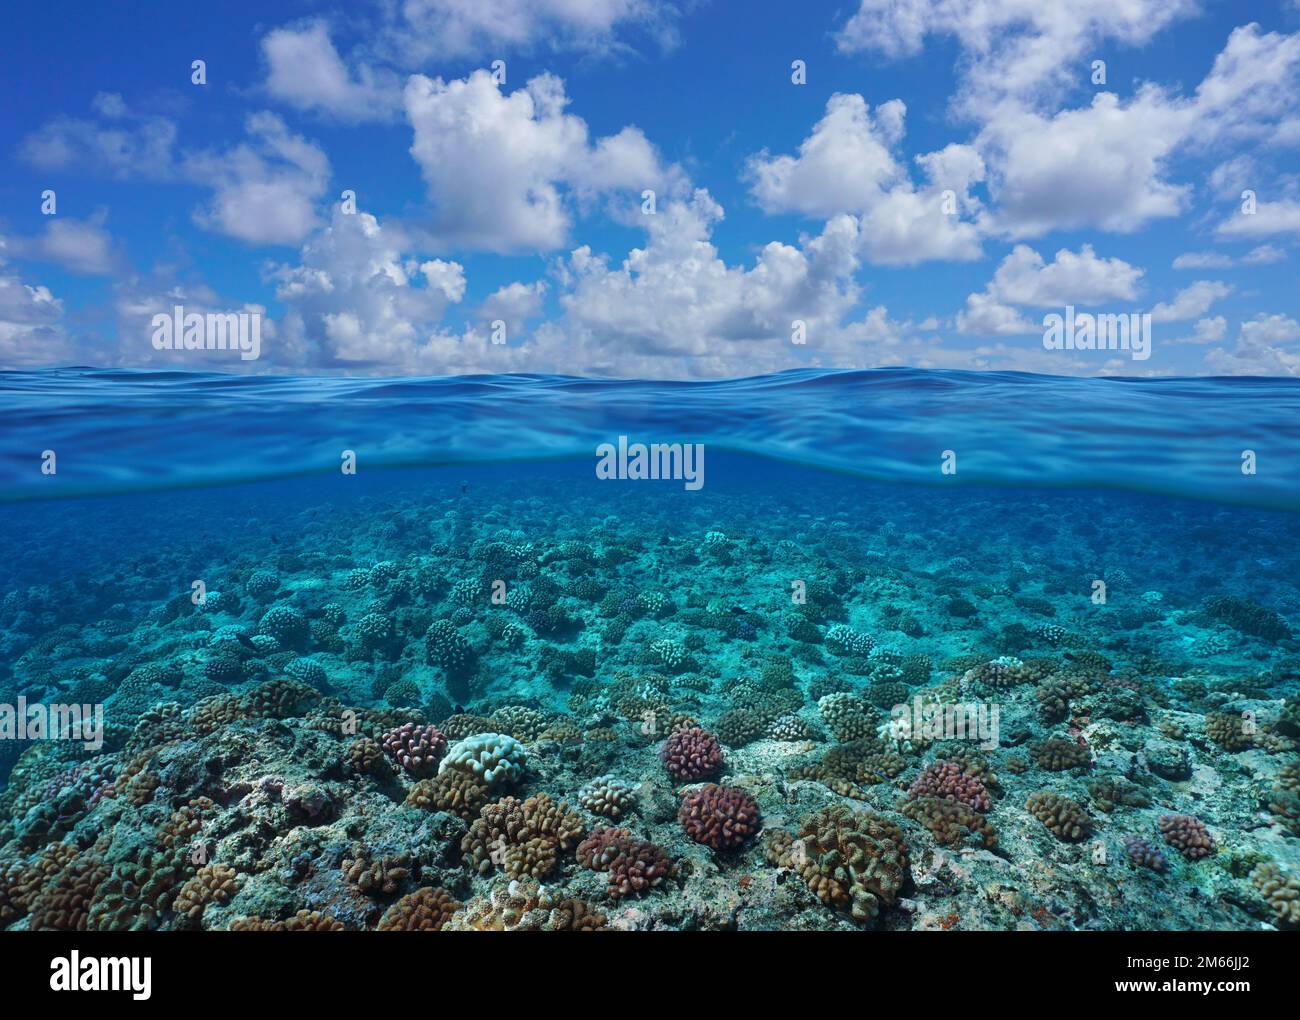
[(521, 698)]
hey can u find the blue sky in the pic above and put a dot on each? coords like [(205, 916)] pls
[(948, 174)]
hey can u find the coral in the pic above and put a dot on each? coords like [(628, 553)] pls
[(285, 624), (1067, 819), (1143, 855), (946, 779), (461, 793), (949, 820), (740, 726), (366, 757), (445, 647), (1110, 792), (634, 866), (425, 909), (521, 837), (851, 860), (692, 754), (523, 723), (304, 920), (1281, 890), (307, 671), (792, 729), (495, 757), (1187, 834), (373, 873), (1057, 754), (525, 905), (844, 641), (213, 883), (607, 796), (1230, 732), (417, 749), (721, 817), (847, 716), (1248, 618)]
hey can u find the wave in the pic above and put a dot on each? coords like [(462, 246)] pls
[(125, 430)]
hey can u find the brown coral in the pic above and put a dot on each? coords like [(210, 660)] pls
[(721, 817), (214, 883), (1067, 819), (851, 860), (634, 866), (1188, 835), (521, 837), (425, 909)]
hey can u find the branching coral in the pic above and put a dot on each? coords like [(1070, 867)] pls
[(1067, 819), (521, 837), (1188, 835), (418, 749), (634, 866), (692, 754), (851, 860), (947, 779), (721, 817), (423, 910)]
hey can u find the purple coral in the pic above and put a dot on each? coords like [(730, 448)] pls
[(418, 749), (692, 754), (949, 780), (1188, 835), (722, 817)]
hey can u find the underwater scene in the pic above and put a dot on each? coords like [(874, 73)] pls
[(881, 650)]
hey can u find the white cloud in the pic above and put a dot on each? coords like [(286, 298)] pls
[(130, 147), (267, 189), (1268, 220), (305, 71), (1014, 52), (1263, 254), (418, 32), (674, 308), (499, 167), (358, 298), (30, 322), (1265, 346), (1025, 279), (1191, 301), (1205, 331), (1103, 165), (848, 165), (514, 304), (80, 246)]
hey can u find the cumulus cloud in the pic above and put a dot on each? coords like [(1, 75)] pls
[(1014, 52), (1269, 219), (358, 297), (79, 246), (848, 165), (266, 189), (1266, 345), (1261, 255), (31, 332), (1191, 301), (304, 70), (500, 168), (1025, 279)]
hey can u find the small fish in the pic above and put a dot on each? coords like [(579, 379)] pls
[(246, 641)]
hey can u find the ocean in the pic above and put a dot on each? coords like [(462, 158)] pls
[(897, 649)]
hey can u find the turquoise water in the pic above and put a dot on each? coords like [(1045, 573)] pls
[(1098, 567)]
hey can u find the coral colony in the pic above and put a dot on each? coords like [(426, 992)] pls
[(528, 703)]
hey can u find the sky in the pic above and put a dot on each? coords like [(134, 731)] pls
[(676, 189)]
